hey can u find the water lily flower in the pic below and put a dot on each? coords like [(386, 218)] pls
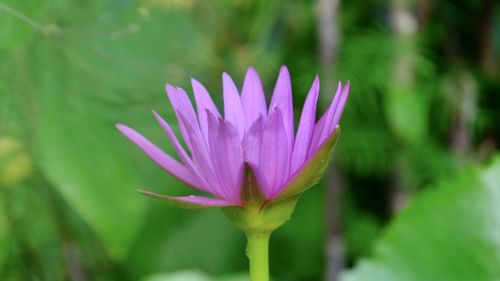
[(250, 161)]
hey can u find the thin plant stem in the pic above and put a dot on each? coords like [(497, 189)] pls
[(258, 255)]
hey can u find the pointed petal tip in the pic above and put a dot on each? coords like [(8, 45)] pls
[(171, 91), (212, 117), (252, 72), (169, 86), (157, 116), (284, 69), (316, 82), (347, 85), (195, 83), (124, 129), (226, 78)]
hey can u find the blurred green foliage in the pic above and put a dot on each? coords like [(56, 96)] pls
[(448, 233), (71, 69)]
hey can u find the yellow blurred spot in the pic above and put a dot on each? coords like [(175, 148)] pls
[(8, 145), (15, 163), (143, 12)]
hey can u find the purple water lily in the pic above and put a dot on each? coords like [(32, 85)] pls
[(250, 134)]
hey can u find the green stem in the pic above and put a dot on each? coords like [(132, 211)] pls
[(258, 255)]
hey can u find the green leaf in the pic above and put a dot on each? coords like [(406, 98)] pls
[(19, 20), (97, 179), (448, 233), (92, 80), (4, 232), (206, 241), (83, 156), (236, 277), (407, 114), (311, 173)]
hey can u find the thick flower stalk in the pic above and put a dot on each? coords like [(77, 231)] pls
[(249, 161)]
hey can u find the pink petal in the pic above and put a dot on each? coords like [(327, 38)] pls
[(168, 163), (253, 141), (181, 103), (252, 97), (203, 103), (339, 109), (227, 155), (274, 160), (204, 201), (330, 114), (233, 111), (191, 201), (181, 152), (306, 127), (282, 98), (201, 156), (317, 132)]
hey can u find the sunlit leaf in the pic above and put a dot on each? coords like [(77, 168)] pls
[(449, 233)]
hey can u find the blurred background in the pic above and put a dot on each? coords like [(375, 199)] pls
[(413, 192)]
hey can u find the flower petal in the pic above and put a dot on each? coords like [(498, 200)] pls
[(282, 98), (306, 128), (330, 114), (190, 165), (339, 109), (201, 156), (274, 160), (233, 111), (253, 141), (317, 132), (227, 155), (322, 127), (253, 100), (168, 163), (192, 202), (203, 103), (181, 103), (310, 172)]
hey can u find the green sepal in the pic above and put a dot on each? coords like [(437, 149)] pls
[(258, 215), (310, 174), (174, 202), (258, 218)]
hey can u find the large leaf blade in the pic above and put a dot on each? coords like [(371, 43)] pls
[(449, 233)]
